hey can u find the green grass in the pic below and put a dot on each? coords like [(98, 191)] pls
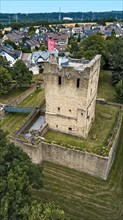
[(37, 78), (105, 88), (82, 196), (12, 94), (101, 129), (12, 122), (33, 100)]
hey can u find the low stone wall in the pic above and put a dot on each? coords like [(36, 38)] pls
[(23, 96), (103, 102), (2, 113), (113, 149), (28, 121)]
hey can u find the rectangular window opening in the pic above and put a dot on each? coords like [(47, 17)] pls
[(58, 109), (59, 80), (78, 82), (70, 129)]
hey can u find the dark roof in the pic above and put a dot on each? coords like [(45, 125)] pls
[(32, 42), (88, 32), (13, 53)]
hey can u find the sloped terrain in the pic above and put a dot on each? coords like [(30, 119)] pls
[(82, 196)]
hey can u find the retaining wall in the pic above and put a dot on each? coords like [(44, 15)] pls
[(28, 121), (23, 96), (93, 164)]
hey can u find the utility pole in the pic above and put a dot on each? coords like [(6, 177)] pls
[(82, 17), (16, 18), (9, 20), (93, 16), (59, 13)]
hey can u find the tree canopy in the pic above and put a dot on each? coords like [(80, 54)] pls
[(18, 177), (5, 81), (21, 74)]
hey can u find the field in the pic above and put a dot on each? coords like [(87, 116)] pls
[(13, 121), (6, 99), (82, 196), (98, 135), (33, 100), (105, 88)]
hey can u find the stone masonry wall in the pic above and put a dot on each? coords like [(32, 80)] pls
[(93, 164), (71, 109)]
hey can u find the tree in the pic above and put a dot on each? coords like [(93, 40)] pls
[(21, 74), (41, 211), (10, 42), (43, 47), (119, 90), (76, 25), (115, 48), (4, 62), (95, 44), (5, 81), (17, 178), (1, 34)]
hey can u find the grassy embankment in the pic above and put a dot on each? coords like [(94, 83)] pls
[(13, 121), (105, 88), (13, 93), (82, 196), (6, 99)]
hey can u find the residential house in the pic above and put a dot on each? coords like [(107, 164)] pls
[(32, 44), (41, 38), (61, 40), (38, 58), (15, 36), (11, 55)]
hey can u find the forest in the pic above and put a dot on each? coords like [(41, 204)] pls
[(54, 16)]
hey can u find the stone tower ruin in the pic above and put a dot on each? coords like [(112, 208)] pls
[(70, 92)]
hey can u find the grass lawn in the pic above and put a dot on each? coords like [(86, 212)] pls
[(82, 196), (105, 88), (101, 128), (12, 94), (12, 122), (33, 100), (37, 78)]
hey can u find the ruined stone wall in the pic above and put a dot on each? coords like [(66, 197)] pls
[(23, 96), (71, 109)]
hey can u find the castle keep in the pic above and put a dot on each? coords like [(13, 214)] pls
[(70, 92)]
